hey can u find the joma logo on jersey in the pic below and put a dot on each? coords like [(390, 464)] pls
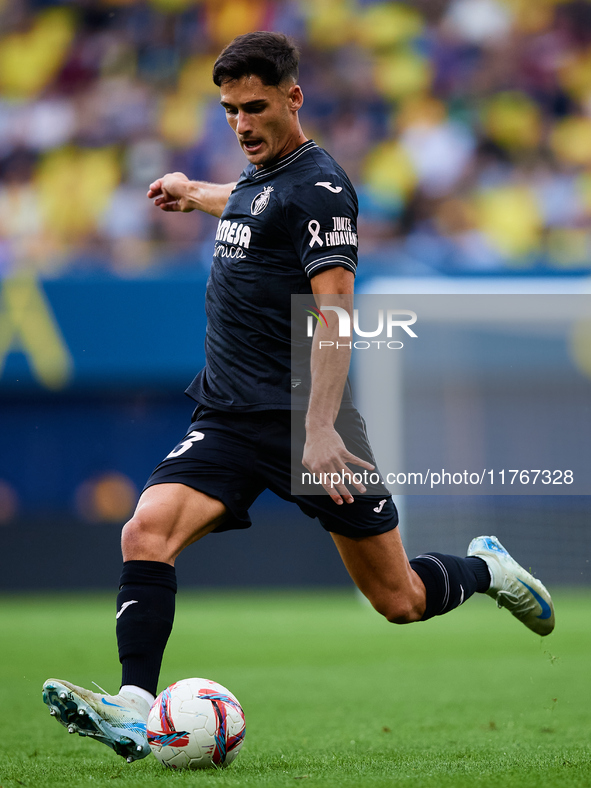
[(233, 233)]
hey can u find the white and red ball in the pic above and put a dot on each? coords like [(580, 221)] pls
[(196, 724)]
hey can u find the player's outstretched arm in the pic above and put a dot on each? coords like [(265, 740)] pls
[(175, 192)]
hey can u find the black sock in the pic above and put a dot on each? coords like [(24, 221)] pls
[(145, 612), (449, 580)]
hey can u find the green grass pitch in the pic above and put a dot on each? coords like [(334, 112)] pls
[(333, 694)]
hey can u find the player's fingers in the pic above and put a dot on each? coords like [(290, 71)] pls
[(328, 483), (355, 477), (344, 491), (337, 489), (155, 188), (343, 476), (347, 497), (359, 486), (352, 459), (332, 477), (339, 472), (166, 204), (334, 495)]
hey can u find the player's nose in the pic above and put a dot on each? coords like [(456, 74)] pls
[(243, 124)]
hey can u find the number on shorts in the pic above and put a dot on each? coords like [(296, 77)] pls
[(192, 438)]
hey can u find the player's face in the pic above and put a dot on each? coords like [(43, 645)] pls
[(263, 117)]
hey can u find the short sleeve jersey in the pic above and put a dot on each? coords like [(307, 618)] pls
[(282, 225)]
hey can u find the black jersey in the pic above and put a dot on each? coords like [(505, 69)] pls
[(281, 226)]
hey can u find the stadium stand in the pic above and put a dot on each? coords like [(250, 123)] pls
[(463, 125)]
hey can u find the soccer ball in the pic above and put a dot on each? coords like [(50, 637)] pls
[(196, 724)]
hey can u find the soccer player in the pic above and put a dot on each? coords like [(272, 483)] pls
[(274, 239)]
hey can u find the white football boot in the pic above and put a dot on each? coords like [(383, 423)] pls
[(119, 721), (513, 587)]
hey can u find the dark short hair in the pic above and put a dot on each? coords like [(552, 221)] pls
[(273, 57)]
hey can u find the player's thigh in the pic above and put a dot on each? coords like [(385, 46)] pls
[(205, 483), (168, 518), (380, 569)]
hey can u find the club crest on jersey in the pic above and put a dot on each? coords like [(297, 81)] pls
[(261, 201)]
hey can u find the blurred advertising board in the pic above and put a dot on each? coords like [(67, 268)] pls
[(100, 333)]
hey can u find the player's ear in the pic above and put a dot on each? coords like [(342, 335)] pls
[(295, 97)]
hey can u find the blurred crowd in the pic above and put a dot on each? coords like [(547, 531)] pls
[(465, 126)]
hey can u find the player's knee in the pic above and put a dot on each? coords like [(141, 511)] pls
[(139, 540), (131, 534)]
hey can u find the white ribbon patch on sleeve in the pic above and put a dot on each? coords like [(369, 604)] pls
[(314, 229)]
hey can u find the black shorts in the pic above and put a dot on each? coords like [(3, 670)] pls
[(234, 457)]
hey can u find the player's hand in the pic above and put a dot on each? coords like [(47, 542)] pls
[(325, 453), (170, 192)]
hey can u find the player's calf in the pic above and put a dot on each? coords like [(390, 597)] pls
[(145, 615), (400, 608), (449, 581)]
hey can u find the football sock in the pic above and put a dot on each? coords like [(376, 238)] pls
[(449, 580), (142, 693), (145, 612)]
